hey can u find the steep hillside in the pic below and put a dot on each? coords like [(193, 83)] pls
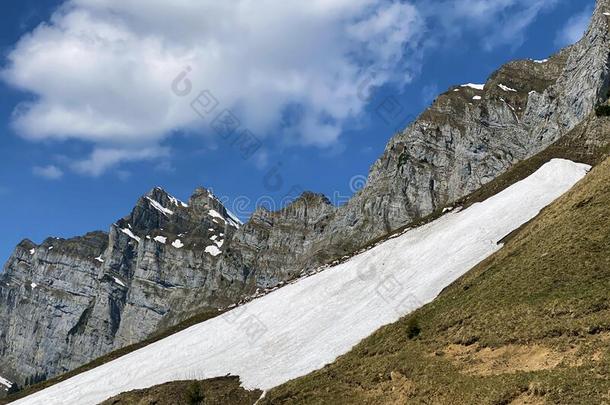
[(531, 324), (305, 325)]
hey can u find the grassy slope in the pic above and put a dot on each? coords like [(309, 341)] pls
[(529, 325), (216, 391)]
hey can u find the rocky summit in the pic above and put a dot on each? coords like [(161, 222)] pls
[(65, 302)]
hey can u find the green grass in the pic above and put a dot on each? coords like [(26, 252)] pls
[(215, 391)]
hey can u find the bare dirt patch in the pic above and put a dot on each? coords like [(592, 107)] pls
[(507, 359)]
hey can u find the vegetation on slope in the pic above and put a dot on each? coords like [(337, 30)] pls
[(216, 391), (529, 325)]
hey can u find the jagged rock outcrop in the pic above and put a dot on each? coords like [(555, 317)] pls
[(65, 302)]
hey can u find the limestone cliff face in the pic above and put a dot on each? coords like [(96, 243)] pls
[(65, 302)]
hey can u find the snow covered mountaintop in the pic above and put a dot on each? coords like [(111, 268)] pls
[(306, 325)]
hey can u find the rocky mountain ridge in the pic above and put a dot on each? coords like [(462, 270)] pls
[(68, 301)]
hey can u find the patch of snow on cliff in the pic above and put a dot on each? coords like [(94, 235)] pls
[(177, 244), (234, 220), (159, 207), (119, 282), (213, 250), (128, 232), (177, 202), (506, 88), (474, 86), (216, 214), (6, 383)]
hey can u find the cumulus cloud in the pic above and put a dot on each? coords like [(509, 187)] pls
[(50, 172), (574, 28), (101, 71), (103, 159)]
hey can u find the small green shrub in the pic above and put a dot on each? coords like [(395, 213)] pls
[(194, 394), (413, 329), (603, 110)]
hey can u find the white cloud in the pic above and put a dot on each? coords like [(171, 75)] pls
[(50, 172), (574, 28), (103, 159), (101, 71)]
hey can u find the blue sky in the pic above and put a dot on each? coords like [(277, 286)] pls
[(89, 120)]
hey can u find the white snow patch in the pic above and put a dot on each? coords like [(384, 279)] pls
[(6, 383), (213, 250), (33, 285), (128, 232), (119, 282), (99, 259), (219, 243), (477, 98), (234, 220), (50, 247), (512, 109), (541, 61), (532, 92), (474, 86), (177, 202), (159, 207), (177, 244), (161, 239), (336, 308), (216, 214), (32, 251), (214, 237), (506, 88)]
